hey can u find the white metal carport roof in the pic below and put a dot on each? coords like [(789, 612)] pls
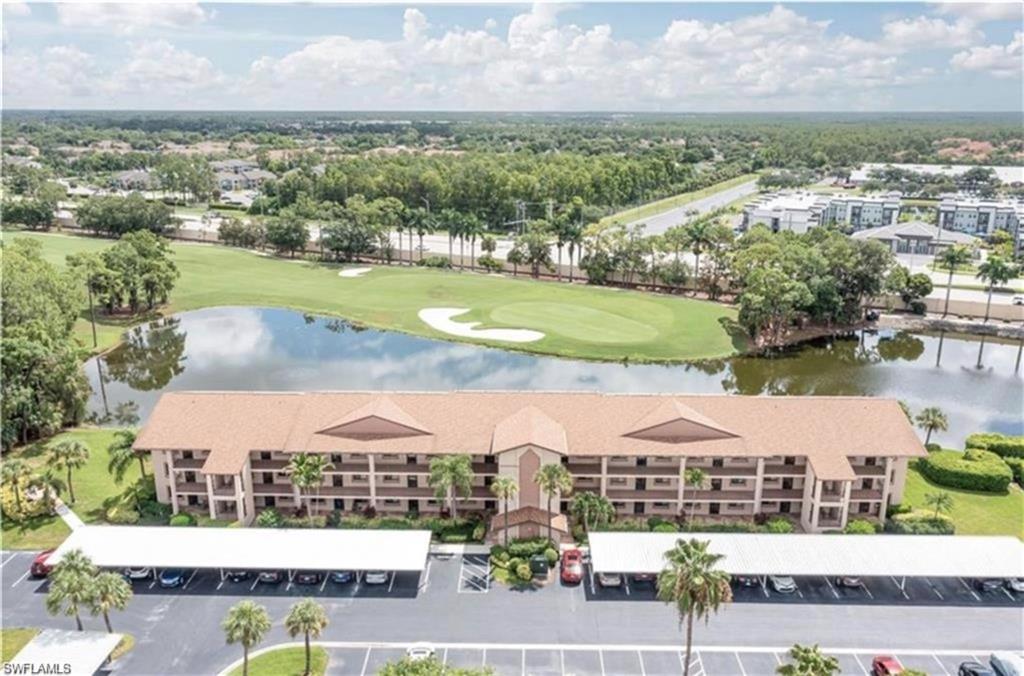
[(77, 653), (242, 548), (806, 554)]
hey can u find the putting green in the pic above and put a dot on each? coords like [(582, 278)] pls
[(578, 322)]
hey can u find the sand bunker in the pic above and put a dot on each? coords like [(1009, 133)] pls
[(354, 272), (440, 318)]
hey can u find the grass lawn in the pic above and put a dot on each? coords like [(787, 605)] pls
[(657, 207), (973, 513), (579, 321), (13, 640), (93, 484), (286, 662)]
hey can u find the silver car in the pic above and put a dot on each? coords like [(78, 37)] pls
[(1015, 584), (609, 579), (782, 583), (376, 577)]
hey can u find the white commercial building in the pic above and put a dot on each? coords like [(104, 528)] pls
[(980, 217), (800, 211), (1006, 175)]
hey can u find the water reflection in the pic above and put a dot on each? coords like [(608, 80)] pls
[(271, 349)]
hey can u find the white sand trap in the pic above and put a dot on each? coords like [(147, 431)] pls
[(440, 318), (354, 272)]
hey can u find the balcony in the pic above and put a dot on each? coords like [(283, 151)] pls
[(784, 470), (584, 469), (272, 489), (188, 463), (718, 496), (868, 494), (739, 471), (268, 465), (647, 470), (349, 468), (782, 494), (869, 470), (224, 491), (647, 495), (190, 488)]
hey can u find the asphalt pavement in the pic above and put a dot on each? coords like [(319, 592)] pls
[(659, 223)]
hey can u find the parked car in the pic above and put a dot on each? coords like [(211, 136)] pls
[(885, 665), (609, 579), (138, 573), (644, 579), (745, 581), (307, 577), (572, 566), (1015, 584), (420, 651), (974, 669), (39, 567), (342, 576), (851, 582), (270, 577), (172, 577), (782, 583), (1007, 664), (376, 577), (1018, 300), (988, 584), (237, 575)]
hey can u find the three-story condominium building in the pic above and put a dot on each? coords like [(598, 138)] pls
[(821, 460)]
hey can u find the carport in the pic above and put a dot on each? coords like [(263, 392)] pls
[(290, 549), (895, 556), (78, 653)]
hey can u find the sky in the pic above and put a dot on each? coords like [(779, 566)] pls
[(659, 57)]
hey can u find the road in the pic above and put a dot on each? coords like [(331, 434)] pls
[(177, 631), (659, 223)]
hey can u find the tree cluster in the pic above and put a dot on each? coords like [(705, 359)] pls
[(115, 216), (137, 269)]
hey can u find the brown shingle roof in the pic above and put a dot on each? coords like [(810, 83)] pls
[(518, 517), (529, 426), (823, 429), (673, 422)]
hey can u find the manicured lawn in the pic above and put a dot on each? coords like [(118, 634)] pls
[(286, 662), (579, 321), (93, 484), (13, 640), (652, 208), (973, 513)]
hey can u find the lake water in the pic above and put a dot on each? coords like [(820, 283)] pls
[(272, 349)]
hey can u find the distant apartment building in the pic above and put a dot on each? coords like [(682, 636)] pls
[(135, 179), (980, 217), (800, 211), (820, 460), (232, 175), (1011, 176)]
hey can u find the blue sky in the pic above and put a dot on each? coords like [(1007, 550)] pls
[(601, 56)]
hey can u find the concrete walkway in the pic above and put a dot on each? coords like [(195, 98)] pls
[(70, 518)]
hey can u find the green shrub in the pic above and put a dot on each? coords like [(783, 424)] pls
[(901, 508), (523, 572), (182, 519), (623, 525), (551, 555), (1016, 466), (721, 527), (778, 524), (920, 524), (155, 511), (527, 548), (974, 470), (497, 551), (120, 515), (269, 518), (860, 527), (1002, 445), (514, 563), (434, 262), (453, 538), (479, 532), (304, 522), (665, 527), (932, 447)]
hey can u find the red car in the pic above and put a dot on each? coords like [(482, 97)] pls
[(885, 665), (572, 566), (39, 566)]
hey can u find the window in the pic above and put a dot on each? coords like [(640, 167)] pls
[(265, 455), (641, 462), (617, 481), (391, 503), (336, 458), (390, 478), (870, 462), (662, 482), (718, 462), (410, 460), (737, 482), (638, 508), (789, 460), (489, 459), (662, 505), (863, 508), (490, 504)]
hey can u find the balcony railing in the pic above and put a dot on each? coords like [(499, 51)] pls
[(190, 487), (784, 470), (189, 463), (782, 494), (869, 470)]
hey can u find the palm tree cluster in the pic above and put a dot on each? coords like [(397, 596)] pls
[(77, 585), (451, 476), (553, 479), (65, 457), (247, 623), (931, 419), (307, 474)]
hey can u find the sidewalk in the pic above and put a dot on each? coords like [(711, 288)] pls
[(70, 518)]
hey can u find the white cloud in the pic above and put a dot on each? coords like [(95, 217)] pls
[(16, 9), (985, 11), (160, 67), (130, 18), (1002, 61), (925, 31), (414, 24), (490, 24)]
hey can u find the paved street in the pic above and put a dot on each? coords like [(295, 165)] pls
[(659, 223), (178, 630)]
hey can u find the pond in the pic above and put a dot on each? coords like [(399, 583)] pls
[(234, 348)]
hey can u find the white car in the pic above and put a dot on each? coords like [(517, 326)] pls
[(1015, 584), (609, 579), (138, 573), (376, 577), (1018, 300), (782, 583), (419, 652)]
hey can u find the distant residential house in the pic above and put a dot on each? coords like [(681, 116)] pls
[(800, 211), (915, 237), (135, 179), (233, 166), (233, 175)]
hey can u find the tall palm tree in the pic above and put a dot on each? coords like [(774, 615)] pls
[(574, 239), (450, 476), (307, 473), (48, 484), (246, 623), (422, 222), (553, 478), (307, 617), (951, 259), (69, 455), (474, 228), (692, 583), (123, 456), (941, 501), (931, 419), (692, 477), (809, 661), (71, 586), (504, 488), (995, 270), (13, 472), (593, 509), (110, 592), (698, 237)]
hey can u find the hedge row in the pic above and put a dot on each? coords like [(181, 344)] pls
[(974, 470), (919, 524), (445, 530), (1016, 466), (1001, 444)]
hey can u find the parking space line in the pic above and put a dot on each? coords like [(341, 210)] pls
[(625, 583), (426, 576), (523, 660), (23, 576), (864, 586), (8, 559), (391, 585), (255, 582), (829, 583), (941, 665), (1008, 594), (860, 664), (185, 586), (743, 672), (366, 660), (324, 583), (153, 583), (483, 659), (700, 665), (903, 591), (934, 589), (561, 659), (968, 588), (600, 657), (220, 584), (778, 660), (444, 660), (640, 656)]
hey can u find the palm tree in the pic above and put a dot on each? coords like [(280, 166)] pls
[(422, 222), (12, 473), (692, 477), (122, 455), (931, 419), (951, 259), (694, 585), (71, 586), (809, 661), (451, 475), (940, 502), (69, 455), (698, 237), (504, 488), (592, 509), (307, 617), (553, 478), (995, 270), (110, 592), (246, 623), (574, 238), (48, 484), (307, 472), (473, 228)]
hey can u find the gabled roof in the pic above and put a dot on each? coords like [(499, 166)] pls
[(381, 418), (529, 426), (518, 517), (674, 422)]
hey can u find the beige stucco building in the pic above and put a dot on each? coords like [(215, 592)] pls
[(820, 460)]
